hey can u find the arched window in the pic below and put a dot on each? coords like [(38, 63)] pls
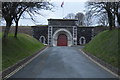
[(42, 39), (82, 40)]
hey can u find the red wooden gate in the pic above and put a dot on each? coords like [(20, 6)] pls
[(62, 40)]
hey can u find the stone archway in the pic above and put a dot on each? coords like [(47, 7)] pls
[(82, 40), (42, 39), (60, 32)]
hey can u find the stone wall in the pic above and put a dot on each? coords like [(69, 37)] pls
[(42, 30), (39, 31), (27, 30), (68, 28), (85, 32)]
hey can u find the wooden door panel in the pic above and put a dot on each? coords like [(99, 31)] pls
[(62, 40)]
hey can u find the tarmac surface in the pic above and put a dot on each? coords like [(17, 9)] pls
[(62, 62)]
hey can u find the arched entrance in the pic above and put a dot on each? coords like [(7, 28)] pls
[(42, 39), (82, 40), (62, 40), (59, 34)]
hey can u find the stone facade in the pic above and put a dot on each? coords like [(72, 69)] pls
[(41, 32), (86, 33), (48, 34)]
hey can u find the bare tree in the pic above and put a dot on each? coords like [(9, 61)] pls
[(116, 10), (70, 16), (80, 18), (103, 20), (88, 19), (31, 8), (18, 13), (0, 9), (100, 8), (14, 10), (8, 9)]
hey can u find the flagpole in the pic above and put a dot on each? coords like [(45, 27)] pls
[(62, 9), (63, 13)]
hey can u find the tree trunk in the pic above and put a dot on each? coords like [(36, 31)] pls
[(117, 14), (110, 20), (113, 20), (118, 18), (8, 24), (16, 29)]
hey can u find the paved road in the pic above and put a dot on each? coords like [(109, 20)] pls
[(62, 62)]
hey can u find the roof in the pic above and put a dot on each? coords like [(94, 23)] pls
[(40, 26), (86, 27), (62, 19)]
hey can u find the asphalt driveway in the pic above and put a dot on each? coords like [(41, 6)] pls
[(62, 62)]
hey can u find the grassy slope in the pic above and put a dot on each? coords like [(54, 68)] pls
[(0, 34), (0, 51), (17, 49), (105, 46)]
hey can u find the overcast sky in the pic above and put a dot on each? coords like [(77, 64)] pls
[(70, 6)]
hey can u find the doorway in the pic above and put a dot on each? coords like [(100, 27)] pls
[(62, 40)]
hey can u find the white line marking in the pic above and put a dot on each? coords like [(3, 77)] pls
[(100, 65), (16, 70)]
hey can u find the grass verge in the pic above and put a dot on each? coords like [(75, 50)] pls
[(15, 49), (0, 54), (0, 34), (105, 46)]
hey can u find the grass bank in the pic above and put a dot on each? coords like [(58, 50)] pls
[(14, 49), (105, 46), (0, 53), (0, 34)]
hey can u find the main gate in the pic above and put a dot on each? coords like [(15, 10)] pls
[(62, 37), (62, 40)]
